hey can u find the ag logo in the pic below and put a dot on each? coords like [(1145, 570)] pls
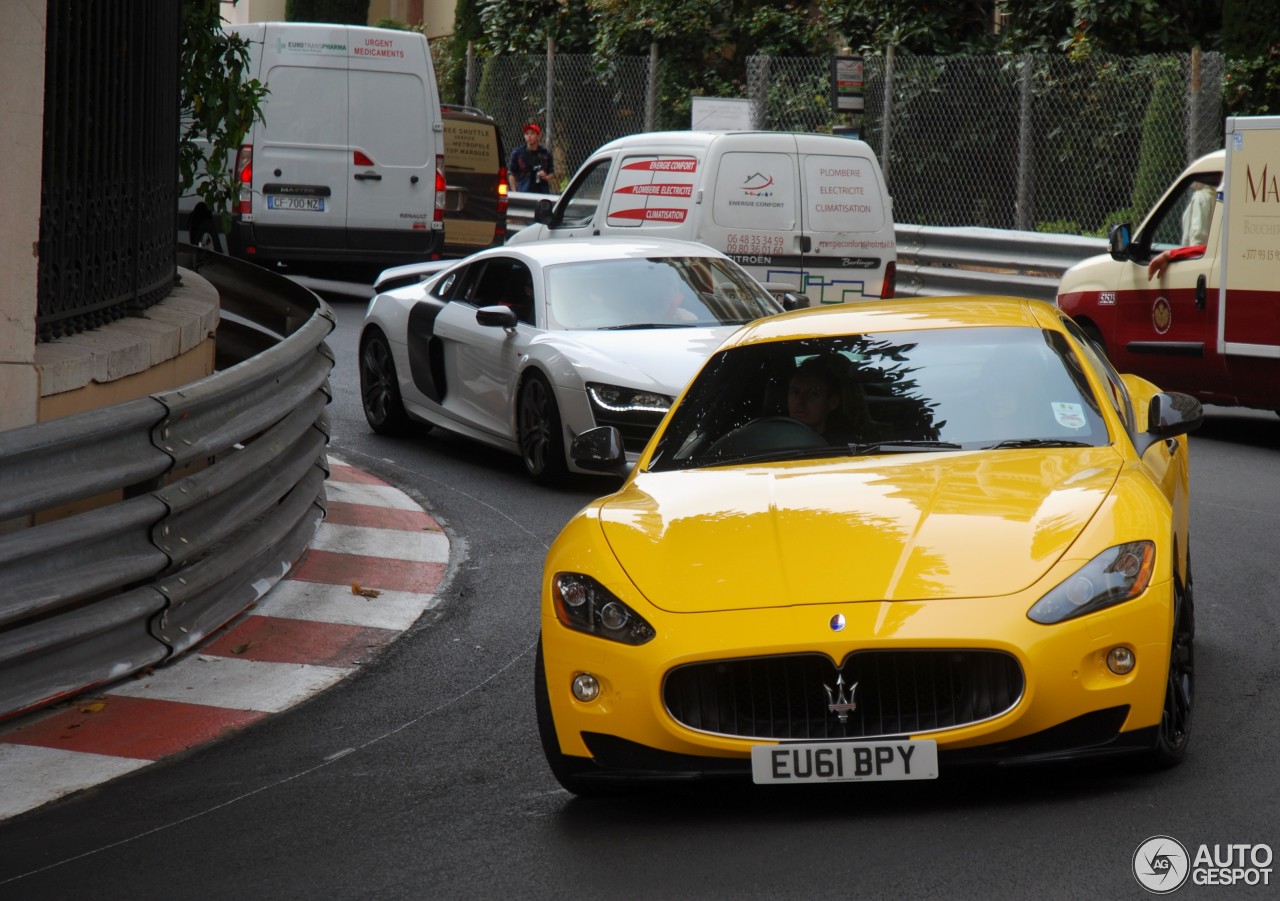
[(1161, 864), (1161, 315)]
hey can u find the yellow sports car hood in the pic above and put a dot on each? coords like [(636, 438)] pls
[(870, 529)]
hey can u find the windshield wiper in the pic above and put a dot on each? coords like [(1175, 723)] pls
[(638, 325), (831, 450), (903, 447), (1037, 442)]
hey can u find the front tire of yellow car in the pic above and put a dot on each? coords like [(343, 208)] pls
[(1174, 731)]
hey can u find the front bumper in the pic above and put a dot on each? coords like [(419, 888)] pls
[(1092, 736), (1071, 704)]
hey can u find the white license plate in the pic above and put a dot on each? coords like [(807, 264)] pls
[(306, 204), (844, 761)]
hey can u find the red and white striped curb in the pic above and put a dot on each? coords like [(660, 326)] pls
[(371, 570)]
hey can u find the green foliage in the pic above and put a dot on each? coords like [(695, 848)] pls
[(704, 44), (1252, 86), (340, 12), (1072, 227), (1059, 227), (784, 30), (523, 27), (394, 24), (450, 53), (1132, 27), (912, 26), (1163, 153), (1250, 28), (218, 101), (1114, 218), (1035, 26)]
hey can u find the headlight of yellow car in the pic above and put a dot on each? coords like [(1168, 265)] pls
[(1118, 574), (584, 604)]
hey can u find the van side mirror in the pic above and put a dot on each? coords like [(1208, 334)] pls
[(542, 212), (794, 301), (1119, 239)]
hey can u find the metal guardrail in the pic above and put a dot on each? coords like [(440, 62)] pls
[(948, 261), (936, 262), (188, 505)]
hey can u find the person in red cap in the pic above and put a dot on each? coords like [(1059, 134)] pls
[(530, 167)]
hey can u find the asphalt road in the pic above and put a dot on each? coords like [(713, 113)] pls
[(422, 776)]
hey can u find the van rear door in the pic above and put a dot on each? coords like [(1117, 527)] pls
[(395, 136), (300, 154), (754, 209), (846, 220)]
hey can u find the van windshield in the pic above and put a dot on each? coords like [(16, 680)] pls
[(662, 292)]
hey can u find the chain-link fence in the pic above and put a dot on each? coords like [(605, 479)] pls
[(1029, 142), (582, 106)]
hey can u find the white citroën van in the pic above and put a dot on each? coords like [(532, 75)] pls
[(800, 212), (346, 161)]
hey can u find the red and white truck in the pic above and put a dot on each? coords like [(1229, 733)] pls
[(1208, 322)]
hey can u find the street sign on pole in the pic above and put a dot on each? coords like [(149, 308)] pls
[(846, 84)]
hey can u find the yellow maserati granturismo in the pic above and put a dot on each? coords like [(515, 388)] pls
[(878, 541)]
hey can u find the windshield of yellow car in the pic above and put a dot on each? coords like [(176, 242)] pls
[(947, 389)]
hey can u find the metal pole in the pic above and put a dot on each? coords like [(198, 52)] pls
[(1193, 106), (887, 128), (551, 81), (760, 96), (1022, 208), (651, 92), (469, 89)]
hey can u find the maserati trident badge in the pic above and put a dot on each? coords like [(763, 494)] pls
[(838, 702)]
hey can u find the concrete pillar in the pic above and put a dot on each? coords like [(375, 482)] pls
[(21, 128)]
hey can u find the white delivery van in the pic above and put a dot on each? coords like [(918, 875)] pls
[(801, 212), (1207, 325), (346, 161)]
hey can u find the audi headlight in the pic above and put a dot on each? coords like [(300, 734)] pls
[(1116, 575), (584, 604), (614, 400)]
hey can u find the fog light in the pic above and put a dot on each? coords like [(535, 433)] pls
[(586, 687), (1121, 661)]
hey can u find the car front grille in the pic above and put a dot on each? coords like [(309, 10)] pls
[(899, 692)]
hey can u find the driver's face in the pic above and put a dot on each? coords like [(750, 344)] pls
[(810, 401)]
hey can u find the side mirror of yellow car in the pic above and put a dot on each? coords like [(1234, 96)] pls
[(1169, 414)]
